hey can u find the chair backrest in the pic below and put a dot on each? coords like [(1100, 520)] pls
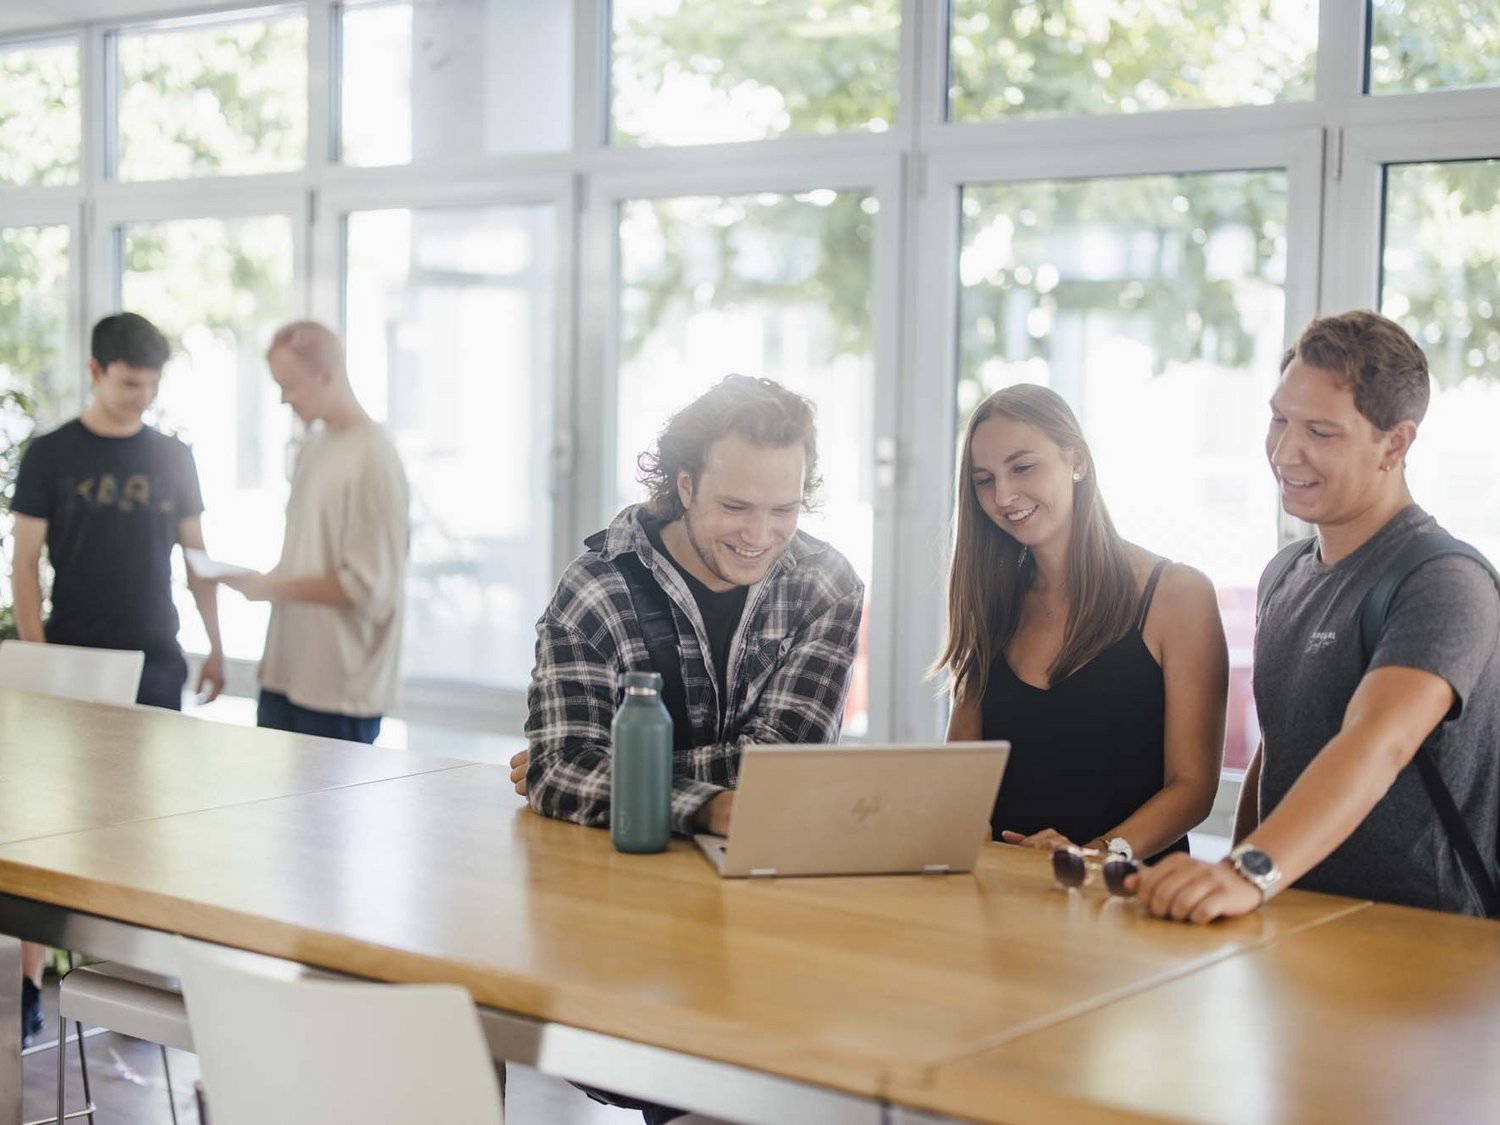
[(293, 1049), (98, 675)]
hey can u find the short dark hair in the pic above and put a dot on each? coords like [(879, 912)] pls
[(132, 339), (1374, 355), (761, 411)]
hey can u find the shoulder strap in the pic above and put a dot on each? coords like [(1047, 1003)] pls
[(1277, 569), (1149, 593), (1458, 832), (1376, 607), (1374, 611), (653, 609)]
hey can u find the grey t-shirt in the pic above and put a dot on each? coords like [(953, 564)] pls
[(1444, 619)]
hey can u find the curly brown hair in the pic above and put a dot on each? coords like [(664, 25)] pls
[(1376, 357), (761, 411)]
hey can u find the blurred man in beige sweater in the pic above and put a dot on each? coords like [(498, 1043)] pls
[(337, 595)]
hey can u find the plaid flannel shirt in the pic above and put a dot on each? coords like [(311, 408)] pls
[(788, 670)]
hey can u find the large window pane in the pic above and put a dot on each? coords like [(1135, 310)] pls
[(1155, 306), (454, 78), (1441, 261), (773, 285), (34, 319), (213, 97), (1433, 44), (451, 328), (219, 288), (1015, 58), (701, 71), (40, 120)]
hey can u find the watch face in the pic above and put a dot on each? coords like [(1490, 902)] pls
[(1256, 862)]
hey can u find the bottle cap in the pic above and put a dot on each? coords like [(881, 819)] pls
[(649, 680)]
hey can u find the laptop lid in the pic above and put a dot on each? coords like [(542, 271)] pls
[(861, 810)]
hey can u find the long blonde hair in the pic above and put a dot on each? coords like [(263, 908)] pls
[(991, 571)]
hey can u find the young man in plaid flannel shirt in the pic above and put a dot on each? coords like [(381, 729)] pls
[(766, 617)]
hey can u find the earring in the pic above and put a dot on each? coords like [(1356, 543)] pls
[(1021, 560), (1386, 468)]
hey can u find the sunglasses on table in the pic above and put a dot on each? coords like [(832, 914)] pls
[(1071, 866)]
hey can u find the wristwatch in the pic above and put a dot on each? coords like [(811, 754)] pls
[(1257, 869), (1119, 846)]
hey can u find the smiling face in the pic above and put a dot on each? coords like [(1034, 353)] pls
[(1023, 480), (742, 511), (1334, 467)]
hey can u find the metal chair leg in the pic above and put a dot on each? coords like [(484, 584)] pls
[(62, 1066), (167, 1070), (83, 1069)]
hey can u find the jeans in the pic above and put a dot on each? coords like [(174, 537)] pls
[(277, 712)]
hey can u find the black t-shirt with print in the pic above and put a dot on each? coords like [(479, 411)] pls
[(112, 507)]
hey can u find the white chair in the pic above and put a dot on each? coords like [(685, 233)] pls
[(129, 1001), (96, 675), (288, 1048)]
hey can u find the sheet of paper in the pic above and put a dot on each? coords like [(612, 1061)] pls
[(205, 566)]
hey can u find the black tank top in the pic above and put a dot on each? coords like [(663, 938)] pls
[(1087, 752)]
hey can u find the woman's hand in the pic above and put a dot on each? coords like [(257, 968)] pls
[(1047, 840)]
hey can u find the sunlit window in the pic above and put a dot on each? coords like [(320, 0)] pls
[(1418, 45), (773, 285), (212, 96), (1441, 261), (446, 79), (1154, 305), (1017, 58), (34, 264), (40, 120), (219, 288), (451, 328), (702, 71)]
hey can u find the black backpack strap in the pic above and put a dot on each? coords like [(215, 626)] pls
[(1277, 569), (1374, 611), (1458, 832), (1376, 607), (653, 609)]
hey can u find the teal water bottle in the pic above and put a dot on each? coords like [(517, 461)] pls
[(640, 808)]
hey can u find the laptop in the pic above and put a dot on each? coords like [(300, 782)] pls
[(859, 810)]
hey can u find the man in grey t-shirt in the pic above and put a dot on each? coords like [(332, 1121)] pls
[(1309, 662), (1332, 800)]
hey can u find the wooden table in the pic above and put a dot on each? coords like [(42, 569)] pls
[(806, 999), (1389, 1014), (66, 766)]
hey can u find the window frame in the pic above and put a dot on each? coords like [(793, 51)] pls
[(1333, 146), (881, 178)]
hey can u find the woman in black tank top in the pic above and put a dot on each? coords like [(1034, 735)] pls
[(1104, 666)]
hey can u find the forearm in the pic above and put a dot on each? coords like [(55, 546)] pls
[(1328, 802), (26, 588), (206, 597), (569, 781), (1177, 808), (1247, 810), (325, 589)]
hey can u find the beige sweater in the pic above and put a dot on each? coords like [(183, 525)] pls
[(346, 516)]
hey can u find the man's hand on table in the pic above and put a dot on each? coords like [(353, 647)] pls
[(518, 770), (1190, 890), (714, 817)]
